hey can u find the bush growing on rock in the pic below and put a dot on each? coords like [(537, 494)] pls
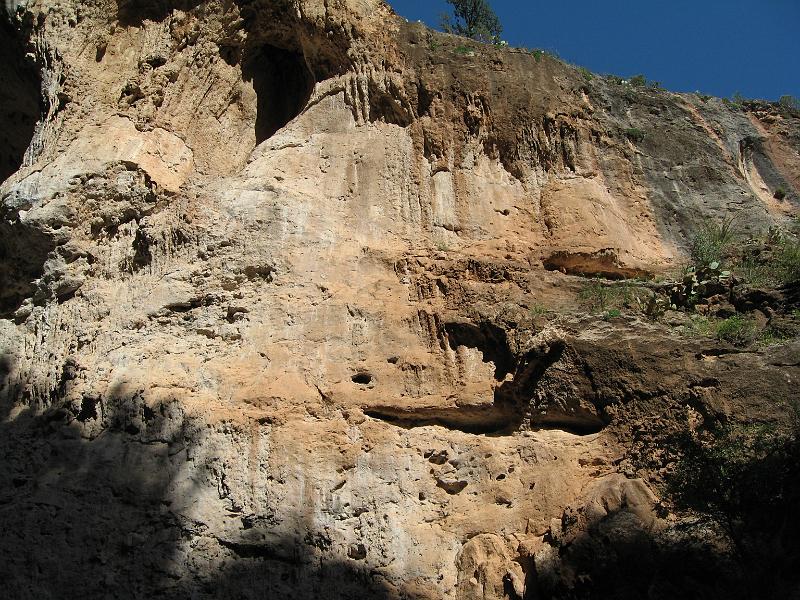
[(738, 330), (474, 19), (635, 135), (638, 81), (771, 261), (601, 296), (713, 242), (745, 480), (790, 102)]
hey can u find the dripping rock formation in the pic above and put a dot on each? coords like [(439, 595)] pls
[(291, 307)]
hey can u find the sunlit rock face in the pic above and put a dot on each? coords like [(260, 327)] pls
[(271, 280)]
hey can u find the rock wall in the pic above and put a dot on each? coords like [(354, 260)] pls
[(269, 272)]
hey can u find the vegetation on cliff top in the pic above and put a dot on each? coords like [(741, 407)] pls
[(473, 19)]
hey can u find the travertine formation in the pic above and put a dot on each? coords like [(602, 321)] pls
[(268, 313)]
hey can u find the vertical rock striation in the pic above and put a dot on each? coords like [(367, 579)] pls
[(267, 326)]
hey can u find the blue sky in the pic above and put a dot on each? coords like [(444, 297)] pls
[(718, 47)]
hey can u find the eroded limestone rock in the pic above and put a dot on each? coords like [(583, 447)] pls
[(268, 275)]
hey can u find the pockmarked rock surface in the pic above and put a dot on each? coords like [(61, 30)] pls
[(270, 279)]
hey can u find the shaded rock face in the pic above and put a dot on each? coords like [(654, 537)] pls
[(283, 85), (20, 99), (267, 312)]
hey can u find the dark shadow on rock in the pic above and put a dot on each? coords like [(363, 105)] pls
[(792, 293), (20, 99), (753, 154), (618, 559), (732, 495), (23, 253), (487, 337), (135, 12), (283, 84), (537, 392), (255, 578), (284, 56), (22, 250), (6, 369), (745, 480), (528, 371), (89, 508), (84, 516)]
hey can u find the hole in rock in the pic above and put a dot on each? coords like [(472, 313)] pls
[(490, 339), (362, 378), (437, 458), (135, 12), (20, 100), (88, 409), (283, 84), (451, 487)]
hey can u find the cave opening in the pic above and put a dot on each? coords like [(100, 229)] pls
[(20, 100), (283, 84), (490, 339)]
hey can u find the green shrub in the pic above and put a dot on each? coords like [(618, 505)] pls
[(789, 102), (753, 272), (774, 263), (736, 474), (738, 330), (587, 74), (638, 81), (738, 99), (780, 194), (699, 326), (635, 135), (788, 262), (698, 283), (537, 310), (596, 295), (474, 19), (463, 50), (779, 332), (743, 481), (601, 296), (713, 242)]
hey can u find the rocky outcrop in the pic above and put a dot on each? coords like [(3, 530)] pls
[(268, 313)]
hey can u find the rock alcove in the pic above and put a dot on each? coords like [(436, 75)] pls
[(283, 84)]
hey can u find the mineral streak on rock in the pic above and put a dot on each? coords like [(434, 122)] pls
[(266, 279)]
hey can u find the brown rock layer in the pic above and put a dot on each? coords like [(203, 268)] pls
[(270, 273)]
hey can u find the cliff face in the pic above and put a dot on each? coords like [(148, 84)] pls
[(271, 283)]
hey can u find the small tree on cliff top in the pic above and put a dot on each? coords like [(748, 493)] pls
[(474, 19)]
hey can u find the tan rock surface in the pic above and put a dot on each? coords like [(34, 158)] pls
[(268, 278)]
